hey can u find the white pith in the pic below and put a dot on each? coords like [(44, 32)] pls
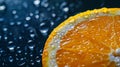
[(54, 45)]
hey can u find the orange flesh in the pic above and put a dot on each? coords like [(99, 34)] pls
[(89, 43)]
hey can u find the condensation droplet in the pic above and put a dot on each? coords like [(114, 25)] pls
[(18, 23), (21, 63), (53, 15), (32, 35), (31, 47), (26, 25), (5, 37), (5, 29), (10, 42), (37, 16), (66, 9), (20, 37), (12, 23), (10, 59), (36, 3), (14, 12), (2, 7), (11, 47), (31, 14), (27, 18), (19, 51), (38, 59), (0, 37), (44, 31)]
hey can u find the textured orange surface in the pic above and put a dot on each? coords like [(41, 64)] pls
[(90, 42)]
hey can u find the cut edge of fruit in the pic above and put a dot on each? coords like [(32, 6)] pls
[(53, 41)]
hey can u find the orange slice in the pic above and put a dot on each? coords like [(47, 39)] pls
[(88, 39)]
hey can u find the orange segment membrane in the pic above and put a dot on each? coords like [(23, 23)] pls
[(89, 43)]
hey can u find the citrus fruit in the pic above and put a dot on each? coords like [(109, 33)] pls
[(88, 39)]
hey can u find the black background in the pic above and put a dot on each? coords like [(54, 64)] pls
[(24, 26)]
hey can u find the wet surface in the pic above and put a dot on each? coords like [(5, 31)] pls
[(26, 24)]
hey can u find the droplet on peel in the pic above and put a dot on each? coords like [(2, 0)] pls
[(118, 51)]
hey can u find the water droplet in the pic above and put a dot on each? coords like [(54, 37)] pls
[(10, 42), (44, 3), (17, 58), (5, 37), (10, 59), (12, 23), (36, 3), (27, 18), (44, 27), (37, 59), (37, 16), (37, 12), (66, 9), (10, 33), (31, 62), (31, 47), (14, 12), (25, 4), (11, 47), (21, 63), (29, 41), (31, 14), (2, 19), (31, 55), (63, 5), (5, 29), (0, 37), (1, 51), (20, 37), (18, 23), (3, 64), (51, 23), (16, 16), (32, 35), (26, 25), (2, 7), (53, 15), (25, 53), (44, 31), (19, 51)]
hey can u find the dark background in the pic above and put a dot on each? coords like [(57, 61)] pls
[(26, 24)]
